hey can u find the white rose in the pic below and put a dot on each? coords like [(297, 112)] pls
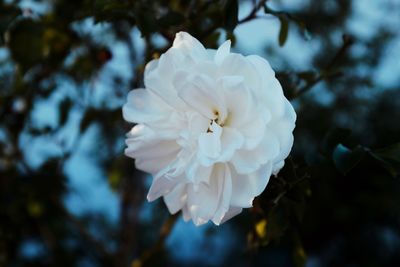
[(212, 126)]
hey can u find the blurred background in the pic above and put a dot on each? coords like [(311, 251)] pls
[(69, 197)]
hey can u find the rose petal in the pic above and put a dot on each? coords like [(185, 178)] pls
[(246, 187), (222, 52)]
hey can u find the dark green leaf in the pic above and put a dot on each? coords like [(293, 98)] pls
[(64, 108), (389, 158), (333, 138), (172, 18), (87, 119), (391, 152), (388, 166), (283, 32), (8, 15), (307, 76), (345, 159), (26, 43), (231, 11), (146, 21)]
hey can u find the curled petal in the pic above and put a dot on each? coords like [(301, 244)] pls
[(176, 198), (246, 187), (143, 106), (222, 52), (189, 45), (248, 161), (197, 93)]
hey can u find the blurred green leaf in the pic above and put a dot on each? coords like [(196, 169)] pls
[(284, 30), (64, 108), (391, 152), (87, 119), (145, 20), (307, 76), (8, 15), (345, 159), (389, 158), (172, 18), (333, 138), (231, 12), (27, 32)]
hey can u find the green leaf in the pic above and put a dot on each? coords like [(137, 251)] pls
[(385, 164), (345, 159), (332, 139), (391, 152), (283, 32), (389, 158), (231, 13)]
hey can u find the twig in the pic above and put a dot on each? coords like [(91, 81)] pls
[(347, 42), (249, 17), (253, 13)]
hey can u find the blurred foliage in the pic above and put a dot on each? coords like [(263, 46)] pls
[(334, 202)]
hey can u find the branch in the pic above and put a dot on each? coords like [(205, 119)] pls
[(84, 234), (326, 72), (253, 13), (158, 246)]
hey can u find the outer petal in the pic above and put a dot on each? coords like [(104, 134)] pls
[(189, 45), (176, 198), (222, 52), (151, 154), (158, 79), (225, 198), (248, 161), (161, 185), (269, 92), (246, 187), (236, 64), (232, 212), (203, 201), (143, 106), (211, 202), (283, 128)]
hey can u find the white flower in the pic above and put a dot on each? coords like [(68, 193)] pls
[(212, 126)]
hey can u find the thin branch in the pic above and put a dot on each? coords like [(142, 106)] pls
[(253, 13), (326, 72)]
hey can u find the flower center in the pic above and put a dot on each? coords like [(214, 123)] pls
[(218, 120)]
